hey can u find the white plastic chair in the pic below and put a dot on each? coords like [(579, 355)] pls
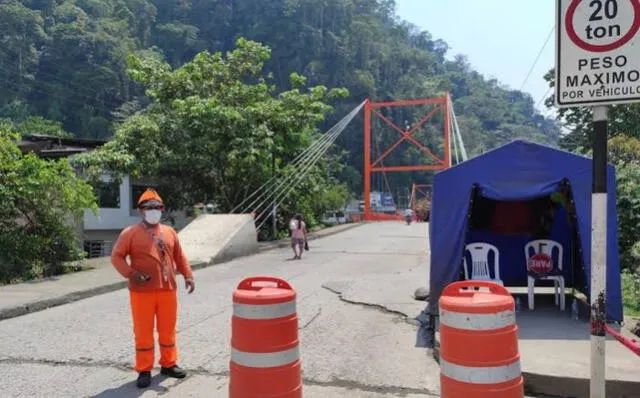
[(480, 262), (546, 246)]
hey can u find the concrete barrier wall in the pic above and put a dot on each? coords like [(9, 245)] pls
[(243, 242), (213, 238)]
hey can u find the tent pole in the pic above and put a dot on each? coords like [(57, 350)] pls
[(598, 253)]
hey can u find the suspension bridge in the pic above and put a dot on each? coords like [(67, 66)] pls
[(439, 148)]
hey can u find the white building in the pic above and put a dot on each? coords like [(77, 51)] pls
[(117, 210), (116, 201)]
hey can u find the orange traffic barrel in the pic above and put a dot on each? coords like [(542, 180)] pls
[(265, 359), (479, 342)]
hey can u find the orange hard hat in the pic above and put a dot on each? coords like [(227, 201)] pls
[(149, 195)]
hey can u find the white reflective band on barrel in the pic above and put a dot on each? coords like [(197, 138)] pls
[(480, 375), (264, 311), (466, 321), (265, 360)]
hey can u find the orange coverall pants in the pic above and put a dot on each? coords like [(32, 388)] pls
[(146, 307)]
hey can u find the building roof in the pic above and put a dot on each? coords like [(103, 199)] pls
[(56, 147)]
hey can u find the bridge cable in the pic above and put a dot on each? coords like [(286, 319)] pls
[(280, 186), (298, 160), (452, 131), (463, 150), (279, 195), (313, 158), (301, 175)]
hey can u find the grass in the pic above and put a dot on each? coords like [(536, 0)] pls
[(76, 266), (67, 268), (631, 293)]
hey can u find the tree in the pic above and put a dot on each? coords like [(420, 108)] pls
[(216, 129), (22, 34), (624, 153), (41, 126), (75, 55), (628, 204), (622, 119), (38, 201), (75, 70)]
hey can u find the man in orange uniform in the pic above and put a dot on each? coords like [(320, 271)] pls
[(155, 254)]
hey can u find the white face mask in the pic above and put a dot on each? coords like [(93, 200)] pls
[(152, 216)]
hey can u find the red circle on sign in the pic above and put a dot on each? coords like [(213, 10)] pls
[(540, 264), (571, 31)]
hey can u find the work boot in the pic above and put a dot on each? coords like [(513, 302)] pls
[(174, 371), (144, 380)]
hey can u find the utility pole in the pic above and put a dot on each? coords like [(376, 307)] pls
[(599, 252), (578, 41)]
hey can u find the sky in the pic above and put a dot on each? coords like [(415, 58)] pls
[(501, 38)]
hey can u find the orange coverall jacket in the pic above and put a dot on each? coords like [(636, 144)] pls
[(145, 257)]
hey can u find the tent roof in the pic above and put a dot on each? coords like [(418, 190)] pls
[(502, 168), (519, 170)]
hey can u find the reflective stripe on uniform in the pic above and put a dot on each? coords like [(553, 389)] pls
[(480, 375), (467, 321), (264, 311), (265, 360)]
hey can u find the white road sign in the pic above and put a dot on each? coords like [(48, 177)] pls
[(597, 52)]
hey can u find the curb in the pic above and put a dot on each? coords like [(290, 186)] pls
[(41, 305), (267, 246), (57, 301)]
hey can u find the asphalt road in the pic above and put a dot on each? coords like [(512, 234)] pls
[(354, 302)]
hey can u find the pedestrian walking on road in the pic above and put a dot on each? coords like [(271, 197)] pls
[(154, 257), (298, 236)]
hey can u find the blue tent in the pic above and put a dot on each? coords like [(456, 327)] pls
[(518, 171)]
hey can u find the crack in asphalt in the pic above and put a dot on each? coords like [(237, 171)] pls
[(399, 391), (313, 318), (378, 307), (86, 362), (200, 321), (90, 363)]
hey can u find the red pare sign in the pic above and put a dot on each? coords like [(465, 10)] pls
[(540, 263)]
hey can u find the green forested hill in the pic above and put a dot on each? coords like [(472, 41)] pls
[(63, 63)]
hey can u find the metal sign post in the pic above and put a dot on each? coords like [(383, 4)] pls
[(599, 253), (597, 64)]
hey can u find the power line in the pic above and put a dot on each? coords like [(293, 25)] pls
[(544, 96), (538, 57)]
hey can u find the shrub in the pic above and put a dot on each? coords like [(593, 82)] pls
[(39, 201)]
